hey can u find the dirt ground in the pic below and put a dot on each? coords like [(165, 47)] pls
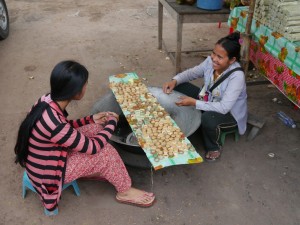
[(245, 187)]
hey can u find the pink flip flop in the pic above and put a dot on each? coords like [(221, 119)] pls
[(137, 202)]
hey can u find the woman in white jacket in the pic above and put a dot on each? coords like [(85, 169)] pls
[(225, 107)]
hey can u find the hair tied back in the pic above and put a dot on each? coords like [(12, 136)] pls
[(241, 41)]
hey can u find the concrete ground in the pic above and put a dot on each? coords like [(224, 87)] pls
[(245, 187)]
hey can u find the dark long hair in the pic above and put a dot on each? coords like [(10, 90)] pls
[(231, 44), (67, 79), (21, 147)]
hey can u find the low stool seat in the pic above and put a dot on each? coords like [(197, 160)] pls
[(224, 133), (27, 185)]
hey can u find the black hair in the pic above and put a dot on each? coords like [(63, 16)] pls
[(67, 79), (21, 147), (231, 44)]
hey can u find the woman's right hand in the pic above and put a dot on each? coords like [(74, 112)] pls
[(169, 86), (102, 117)]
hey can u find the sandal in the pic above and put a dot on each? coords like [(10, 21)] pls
[(210, 158), (139, 200)]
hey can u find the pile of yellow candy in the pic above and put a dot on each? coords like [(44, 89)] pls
[(154, 129)]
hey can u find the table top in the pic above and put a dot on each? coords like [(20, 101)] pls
[(188, 9)]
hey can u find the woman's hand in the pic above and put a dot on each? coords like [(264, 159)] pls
[(114, 115), (186, 101), (169, 86), (100, 117)]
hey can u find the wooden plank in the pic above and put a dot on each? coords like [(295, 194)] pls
[(253, 133), (255, 121), (257, 82)]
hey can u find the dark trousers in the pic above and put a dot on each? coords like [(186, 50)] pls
[(212, 123)]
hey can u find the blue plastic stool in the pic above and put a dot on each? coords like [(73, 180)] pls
[(224, 133), (27, 184)]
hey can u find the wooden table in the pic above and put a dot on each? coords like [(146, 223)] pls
[(185, 14)]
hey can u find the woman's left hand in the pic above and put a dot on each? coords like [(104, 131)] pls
[(114, 115), (100, 117), (186, 101)]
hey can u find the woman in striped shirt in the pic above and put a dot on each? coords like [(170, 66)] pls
[(55, 150)]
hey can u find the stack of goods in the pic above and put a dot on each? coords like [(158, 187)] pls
[(261, 11), (156, 132), (282, 16)]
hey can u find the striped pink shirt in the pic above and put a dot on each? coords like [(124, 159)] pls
[(51, 139)]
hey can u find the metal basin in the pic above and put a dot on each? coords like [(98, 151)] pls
[(187, 118)]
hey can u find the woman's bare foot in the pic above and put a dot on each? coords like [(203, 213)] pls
[(136, 197)]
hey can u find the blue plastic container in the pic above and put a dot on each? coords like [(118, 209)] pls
[(210, 4)]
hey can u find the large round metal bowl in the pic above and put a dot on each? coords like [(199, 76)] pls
[(187, 118)]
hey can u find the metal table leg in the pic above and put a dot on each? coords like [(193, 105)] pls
[(179, 44), (160, 24)]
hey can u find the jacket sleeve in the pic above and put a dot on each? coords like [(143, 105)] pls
[(192, 73), (67, 136)]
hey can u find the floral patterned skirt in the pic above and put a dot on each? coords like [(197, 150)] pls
[(105, 165)]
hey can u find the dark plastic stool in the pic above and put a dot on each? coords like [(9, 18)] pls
[(224, 133), (27, 185)]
